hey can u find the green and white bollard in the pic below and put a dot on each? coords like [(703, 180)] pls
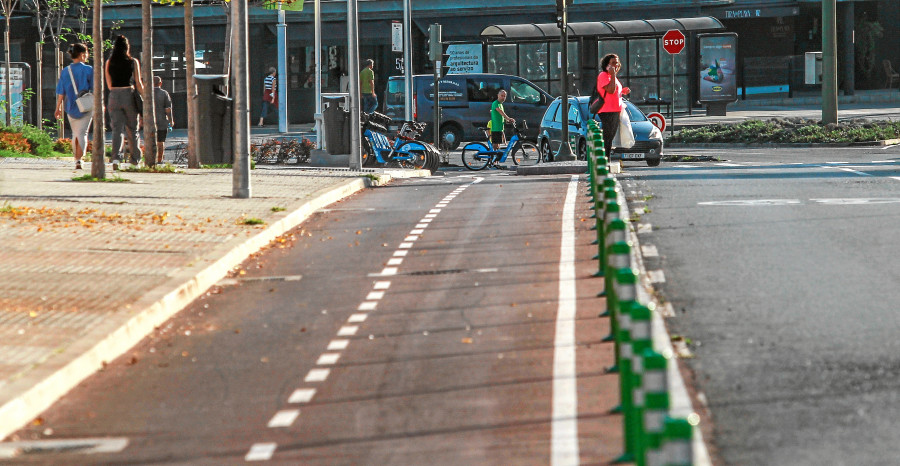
[(639, 331), (678, 446), (656, 407)]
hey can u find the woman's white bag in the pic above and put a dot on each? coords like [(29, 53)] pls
[(624, 136), (85, 100)]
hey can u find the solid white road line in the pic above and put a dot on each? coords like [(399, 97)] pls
[(302, 395), (328, 359), (260, 452), (564, 423), (356, 318), (348, 330), (317, 375), (284, 418), (857, 172), (338, 345), (381, 285)]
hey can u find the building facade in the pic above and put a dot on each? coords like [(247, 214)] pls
[(773, 36)]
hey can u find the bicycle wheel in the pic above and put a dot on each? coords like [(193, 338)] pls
[(526, 154), (368, 154), (474, 157), (419, 159)]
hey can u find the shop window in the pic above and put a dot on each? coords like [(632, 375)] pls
[(483, 90), (504, 59), (642, 57), (574, 61), (534, 63)]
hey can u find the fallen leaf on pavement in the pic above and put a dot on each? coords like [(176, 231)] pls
[(467, 341)]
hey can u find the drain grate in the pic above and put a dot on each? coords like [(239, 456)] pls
[(449, 271)]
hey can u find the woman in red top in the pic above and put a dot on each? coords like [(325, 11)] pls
[(612, 91)]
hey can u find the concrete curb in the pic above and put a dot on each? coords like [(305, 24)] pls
[(767, 145), (680, 403), (24, 399)]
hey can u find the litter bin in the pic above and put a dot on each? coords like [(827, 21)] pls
[(214, 122), (337, 126)]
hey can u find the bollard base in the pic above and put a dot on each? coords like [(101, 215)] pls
[(608, 339), (625, 458), (614, 369), (617, 410)]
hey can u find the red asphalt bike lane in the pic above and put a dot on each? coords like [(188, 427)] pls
[(446, 356)]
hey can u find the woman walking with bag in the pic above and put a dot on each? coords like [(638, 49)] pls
[(75, 80), (611, 91), (123, 109)]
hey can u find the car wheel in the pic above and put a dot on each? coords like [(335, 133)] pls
[(545, 151), (582, 150), (451, 136), (653, 162)]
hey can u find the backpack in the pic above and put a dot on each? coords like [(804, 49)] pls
[(596, 100)]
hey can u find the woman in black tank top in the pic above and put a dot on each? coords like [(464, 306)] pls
[(121, 69)]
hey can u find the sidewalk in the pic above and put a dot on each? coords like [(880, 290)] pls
[(90, 268)]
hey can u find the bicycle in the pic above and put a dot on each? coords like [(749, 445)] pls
[(478, 155), (405, 151)]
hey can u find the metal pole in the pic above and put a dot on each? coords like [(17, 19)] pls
[(565, 150), (240, 179), (39, 94), (672, 106), (829, 62), (318, 43), (353, 64), (407, 60), (282, 71)]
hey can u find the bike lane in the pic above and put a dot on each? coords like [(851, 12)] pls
[(431, 340)]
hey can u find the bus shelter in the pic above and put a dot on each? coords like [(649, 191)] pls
[(532, 51)]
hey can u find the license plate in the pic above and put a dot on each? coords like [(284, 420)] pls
[(633, 155)]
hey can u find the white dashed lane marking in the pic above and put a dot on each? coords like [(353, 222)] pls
[(286, 418)]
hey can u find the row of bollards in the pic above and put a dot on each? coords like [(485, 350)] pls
[(652, 437)]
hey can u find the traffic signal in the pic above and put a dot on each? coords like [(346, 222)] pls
[(445, 67), (434, 42), (561, 4)]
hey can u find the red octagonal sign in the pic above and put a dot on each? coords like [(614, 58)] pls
[(673, 41)]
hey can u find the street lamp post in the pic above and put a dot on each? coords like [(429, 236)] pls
[(565, 151), (829, 62), (240, 174), (353, 74), (407, 60), (282, 71)]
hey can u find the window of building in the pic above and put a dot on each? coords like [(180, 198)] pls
[(503, 59), (534, 61)]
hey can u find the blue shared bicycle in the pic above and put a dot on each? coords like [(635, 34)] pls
[(480, 155), (405, 151)]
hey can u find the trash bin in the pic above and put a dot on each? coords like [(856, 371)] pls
[(337, 126), (214, 120)]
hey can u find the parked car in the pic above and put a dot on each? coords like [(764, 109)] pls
[(466, 103), (648, 138)]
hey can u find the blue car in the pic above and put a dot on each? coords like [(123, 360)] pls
[(648, 139)]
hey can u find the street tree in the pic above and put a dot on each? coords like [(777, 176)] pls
[(149, 114), (6, 8), (98, 152)]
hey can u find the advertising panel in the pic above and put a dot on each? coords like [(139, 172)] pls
[(465, 58), (718, 67)]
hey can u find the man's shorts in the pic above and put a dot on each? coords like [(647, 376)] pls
[(161, 135), (497, 137)]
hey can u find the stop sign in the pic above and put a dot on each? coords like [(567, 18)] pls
[(673, 41)]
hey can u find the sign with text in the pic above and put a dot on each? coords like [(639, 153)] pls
[(673, 41), (396, 36), (465, 58), (718, 67)]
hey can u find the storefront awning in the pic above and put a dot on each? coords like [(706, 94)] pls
[(649, 27)]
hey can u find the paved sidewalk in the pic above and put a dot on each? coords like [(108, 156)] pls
[(90, 268)]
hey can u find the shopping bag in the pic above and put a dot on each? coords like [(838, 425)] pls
[(624, 136)]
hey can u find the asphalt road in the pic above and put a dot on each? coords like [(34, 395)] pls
[(781, 269), (410, 324)]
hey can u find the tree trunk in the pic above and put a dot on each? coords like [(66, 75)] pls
[(8, 76), (190, 64), (147, 78), (98, 152)]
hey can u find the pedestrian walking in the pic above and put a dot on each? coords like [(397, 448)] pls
[(123, 76), (164, 120), (367, 87), (270, 95), (74, 80), (611, 90)]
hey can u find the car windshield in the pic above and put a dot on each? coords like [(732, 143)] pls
[(633, 112), (395, 93)]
